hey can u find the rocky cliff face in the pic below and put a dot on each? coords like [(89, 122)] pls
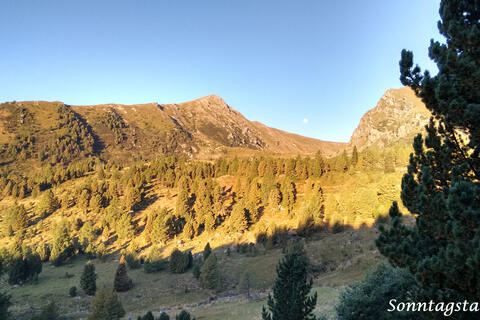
[(398, 114)]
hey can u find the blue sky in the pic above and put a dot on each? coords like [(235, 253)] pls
[(309, 67)]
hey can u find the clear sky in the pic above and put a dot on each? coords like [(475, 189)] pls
[(309, 67)]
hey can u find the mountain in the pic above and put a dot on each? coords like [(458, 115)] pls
[(399, 114), (204, 128)]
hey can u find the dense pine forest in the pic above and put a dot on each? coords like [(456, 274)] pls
[(73, 203)]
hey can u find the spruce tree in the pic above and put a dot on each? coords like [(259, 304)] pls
[(121, 281), (106, 306), (210, 275), (159, 229), (291, 298), (441, 187), (207, 251), (88, 280), (163, 316), (354, 157), (62, 246), (4, 305), (184, 315), (21, 220)]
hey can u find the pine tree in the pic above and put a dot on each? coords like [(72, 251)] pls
[(182, 207), (4, 305), (121, 281), (238, 219), (160, 230), (207, 251), (441, 187), (48, 204), (210, 275), (62, 247), (184, 315), (289, 194), (179, 261), (163, 316), (21, 220), (106, 306), (291, 298), (88, 280), (124, 227), (354, 157)]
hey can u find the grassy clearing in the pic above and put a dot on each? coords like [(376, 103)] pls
[(349, 254)]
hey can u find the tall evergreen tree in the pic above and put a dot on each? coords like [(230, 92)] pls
[(291, 298), (210, 275), (207, 251), (354, 157), (442, 185), (62, 246), (21, 220), (88, 280), (121, 281), (4, 305), (106, 306)]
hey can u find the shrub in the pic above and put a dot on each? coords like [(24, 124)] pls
[(368, 299), (49, 312), (156, 266), (106, 306), (73, 291)]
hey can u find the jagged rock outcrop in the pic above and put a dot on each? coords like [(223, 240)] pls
[(398, 114)]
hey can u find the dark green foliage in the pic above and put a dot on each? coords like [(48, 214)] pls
[(147, 316), (113, 121), (24, 266), (88, 280), (63, 246), (75, 140), (210, 275), (354, 160), (196, 271), (207, 251), (4, 305), (291, 298), (163, 316), (106, 306), (179, 261), (121, 281), (369, 299), (155, 266), (49, 312), (72, 291), (442, 185), (184, 315), (132, 261)]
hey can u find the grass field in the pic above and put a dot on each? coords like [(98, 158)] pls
[(347, 255)]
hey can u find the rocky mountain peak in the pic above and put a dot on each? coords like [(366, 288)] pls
[(398, 113)]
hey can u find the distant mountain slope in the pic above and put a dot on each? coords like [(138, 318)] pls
[(398, 114), (203, 128)]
